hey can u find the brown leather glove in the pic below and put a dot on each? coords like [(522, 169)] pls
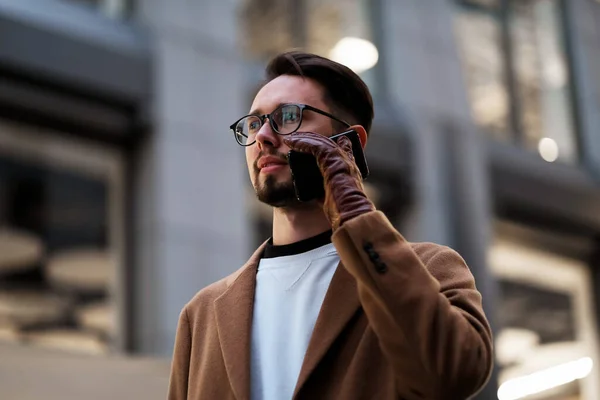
[(344, 192)]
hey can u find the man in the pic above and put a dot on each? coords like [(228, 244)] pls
[(337, 304)]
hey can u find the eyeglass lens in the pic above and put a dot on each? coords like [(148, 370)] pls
[(284, 120)]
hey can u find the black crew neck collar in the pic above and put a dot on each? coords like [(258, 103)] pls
[(272, 251)]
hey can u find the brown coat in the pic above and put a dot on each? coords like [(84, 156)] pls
[(399, 321)]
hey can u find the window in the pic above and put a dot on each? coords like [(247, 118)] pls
[(517, 73), (546, 347), (481, 37), (342, 30), (60, 242), (268, 27), (338, 29)]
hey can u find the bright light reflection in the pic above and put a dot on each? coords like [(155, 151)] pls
[(357, 54), (548, 149), (540, 381)]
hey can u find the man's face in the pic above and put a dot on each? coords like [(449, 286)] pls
[(267, 165)]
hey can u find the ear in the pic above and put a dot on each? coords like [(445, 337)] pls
[(362, 134)]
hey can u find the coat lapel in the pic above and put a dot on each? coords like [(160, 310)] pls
[(233, 311), (340, 304)]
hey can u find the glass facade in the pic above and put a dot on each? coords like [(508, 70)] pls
[(546, 347), (343, 31), (481, 38), (541, 75), (60, 241), (266, 27), (516, 68), (339, 29)]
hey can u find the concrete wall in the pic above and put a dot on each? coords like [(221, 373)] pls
[(192, 226)]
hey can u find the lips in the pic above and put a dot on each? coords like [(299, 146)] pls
[(270, 161), (271, 165)]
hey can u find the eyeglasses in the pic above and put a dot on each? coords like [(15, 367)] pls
[(284, 120)]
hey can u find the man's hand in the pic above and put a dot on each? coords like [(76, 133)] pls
[(344, 193)]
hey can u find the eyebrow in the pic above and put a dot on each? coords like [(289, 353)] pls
[(256, 111)]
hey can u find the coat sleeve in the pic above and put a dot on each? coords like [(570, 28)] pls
[(424, 309), (180, 365)]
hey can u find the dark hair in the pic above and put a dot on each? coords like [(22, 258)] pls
[(345, 91)]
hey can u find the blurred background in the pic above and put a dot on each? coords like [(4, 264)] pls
[(122, 191)]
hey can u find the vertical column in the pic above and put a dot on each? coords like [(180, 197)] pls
[(472, 216), (409, 76), (192, 227), (583, 23)]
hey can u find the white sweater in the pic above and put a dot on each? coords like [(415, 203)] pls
[(288, 297)]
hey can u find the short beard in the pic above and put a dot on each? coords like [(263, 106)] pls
[(276, 194)]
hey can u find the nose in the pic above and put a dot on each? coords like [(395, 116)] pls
[(266, 136)]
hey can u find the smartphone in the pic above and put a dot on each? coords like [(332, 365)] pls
[(306, 176)]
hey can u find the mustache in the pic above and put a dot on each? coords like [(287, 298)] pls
[(283, 157)]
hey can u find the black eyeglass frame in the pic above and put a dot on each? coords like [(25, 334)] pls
[(268, 116)]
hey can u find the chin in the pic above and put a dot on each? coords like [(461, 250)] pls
[(274, 179), (275, 192)]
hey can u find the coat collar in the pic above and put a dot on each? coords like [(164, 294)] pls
[(233, 311)]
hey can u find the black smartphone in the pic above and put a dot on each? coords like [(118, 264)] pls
[(307, 178)]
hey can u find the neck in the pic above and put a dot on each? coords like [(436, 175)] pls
[(291, 225)]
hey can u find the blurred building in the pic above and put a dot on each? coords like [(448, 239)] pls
[(122, 191)]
